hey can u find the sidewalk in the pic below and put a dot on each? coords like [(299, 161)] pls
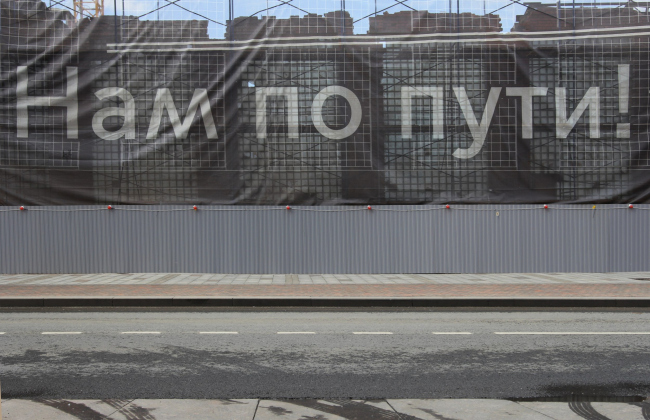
[(320, 409), (630, 289), (278, 279)]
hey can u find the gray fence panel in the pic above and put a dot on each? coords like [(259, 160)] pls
[(387, 239), (628, 238)]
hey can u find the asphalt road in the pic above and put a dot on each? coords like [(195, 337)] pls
[(385, 354)]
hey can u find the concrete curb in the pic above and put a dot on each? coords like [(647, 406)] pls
[(270, 301)]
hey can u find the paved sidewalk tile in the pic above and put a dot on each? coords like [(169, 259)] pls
[(46, 409), (606, 290), (326, 410), (190, 409), (273, 410), (18, 409), (589, 410), (620, 411), (465, 410), (302, 409), (509, 285), (50, 409), (225, 279), (502, 410)]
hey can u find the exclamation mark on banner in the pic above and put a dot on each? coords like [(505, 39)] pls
[(623, 129)]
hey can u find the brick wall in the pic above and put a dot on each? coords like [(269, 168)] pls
[(331, 23), (406, 22), (543, 17)]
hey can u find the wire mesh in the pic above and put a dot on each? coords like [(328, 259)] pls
[(267, 69)]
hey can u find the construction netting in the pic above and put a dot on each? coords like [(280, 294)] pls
[(323, 102)]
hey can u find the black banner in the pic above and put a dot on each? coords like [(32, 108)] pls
[(419, 106)]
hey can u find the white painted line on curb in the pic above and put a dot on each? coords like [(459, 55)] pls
[(296, 332), (372, 332), (218, 332), (141, 332), (574, 333), (451, 333), (60, 332)]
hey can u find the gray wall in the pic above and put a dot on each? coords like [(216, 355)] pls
[(387, 239)]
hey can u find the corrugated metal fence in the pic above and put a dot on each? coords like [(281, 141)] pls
[(386, 239)]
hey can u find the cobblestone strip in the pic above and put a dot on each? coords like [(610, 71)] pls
[(332, 279), (338, 290)]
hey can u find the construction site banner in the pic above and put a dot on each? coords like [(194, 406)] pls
[(321, 102)]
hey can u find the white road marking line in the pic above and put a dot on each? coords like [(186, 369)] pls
[(296, 332), (141, 332), (218, 332), (451, 333), (574, 333), (372, 332), (60, 332), (329, 403), (1, 333)]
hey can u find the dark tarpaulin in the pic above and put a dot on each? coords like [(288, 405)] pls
[(407, 104)]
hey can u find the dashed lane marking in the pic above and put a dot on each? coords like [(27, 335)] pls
[(389, 333), (573, 333)]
